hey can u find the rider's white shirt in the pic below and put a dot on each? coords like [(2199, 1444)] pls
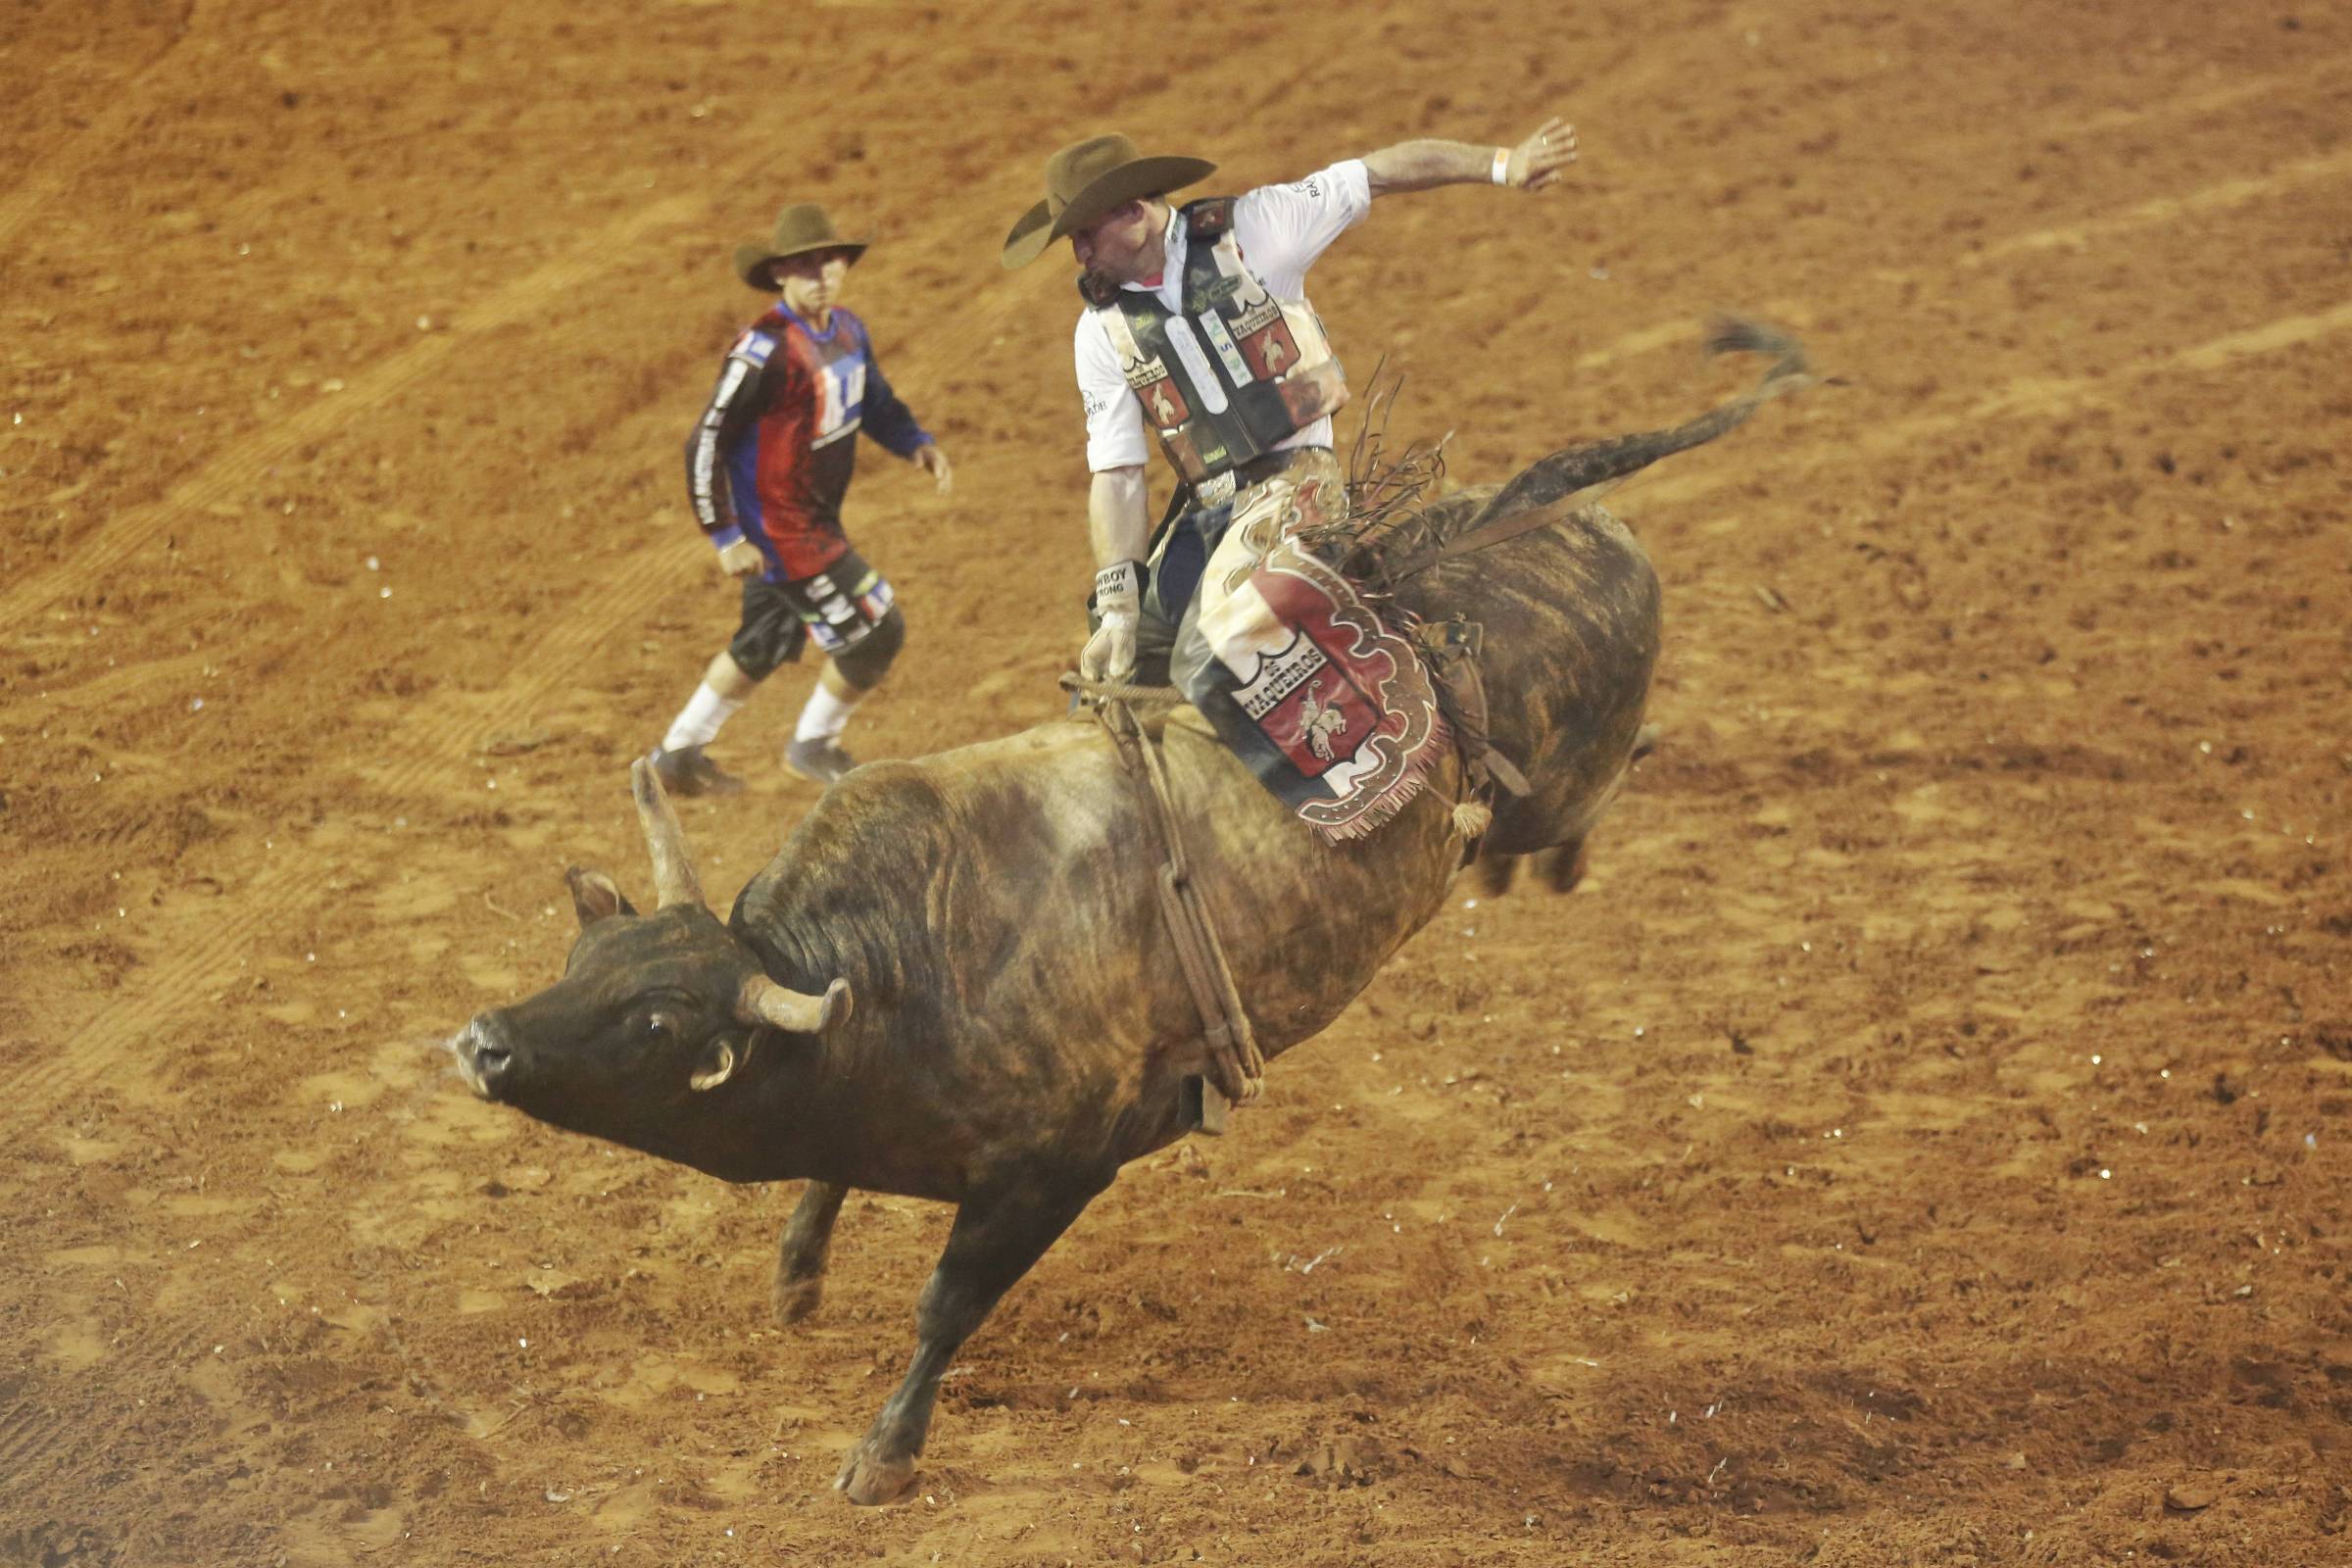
[(1282, 229)]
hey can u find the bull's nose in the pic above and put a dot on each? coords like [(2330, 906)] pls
[(486, 1055)]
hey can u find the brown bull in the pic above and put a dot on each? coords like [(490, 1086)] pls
[(1021, 1027)]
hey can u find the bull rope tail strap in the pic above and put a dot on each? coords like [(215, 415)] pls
[(1236, 1068)]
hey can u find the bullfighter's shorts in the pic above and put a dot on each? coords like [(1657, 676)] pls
[(837, 608)]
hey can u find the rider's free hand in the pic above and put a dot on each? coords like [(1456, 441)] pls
[(1543, 157)]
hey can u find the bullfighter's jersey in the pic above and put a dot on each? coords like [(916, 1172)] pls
[(772, 456), (1281, 231)]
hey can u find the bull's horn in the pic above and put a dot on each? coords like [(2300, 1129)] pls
[(765, 1002), (674, 881)]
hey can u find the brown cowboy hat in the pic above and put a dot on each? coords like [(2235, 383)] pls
[(800, 228), (1088, 178)]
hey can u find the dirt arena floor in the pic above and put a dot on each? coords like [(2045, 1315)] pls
[(1927, 1138)]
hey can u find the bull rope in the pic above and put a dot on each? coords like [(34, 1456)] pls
[(1237, 1068)]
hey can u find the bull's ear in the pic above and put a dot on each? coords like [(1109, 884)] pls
[(718, 1065), (594, 896)]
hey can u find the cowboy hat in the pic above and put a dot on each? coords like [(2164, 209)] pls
[(1088, 178), (800, 228)]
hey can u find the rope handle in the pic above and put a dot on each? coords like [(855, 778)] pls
[(1095, 692)]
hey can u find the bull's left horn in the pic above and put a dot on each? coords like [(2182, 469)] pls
[(765, 1002), (674, 881)]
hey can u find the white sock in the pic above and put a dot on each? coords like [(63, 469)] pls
[(825, 716), (698, 722)]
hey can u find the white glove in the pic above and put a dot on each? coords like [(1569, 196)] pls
[(1109, 654)]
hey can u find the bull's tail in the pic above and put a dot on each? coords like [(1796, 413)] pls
[(1605, 462)]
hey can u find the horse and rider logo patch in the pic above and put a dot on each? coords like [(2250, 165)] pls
[(1166, 404), (1344, 702), (1270, 351), (1155, 388), (1309, 706), (1331, 709)]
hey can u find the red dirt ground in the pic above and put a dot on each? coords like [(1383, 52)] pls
[(1924, 1140)]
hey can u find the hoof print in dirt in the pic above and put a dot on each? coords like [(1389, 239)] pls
[(1344, 1462)]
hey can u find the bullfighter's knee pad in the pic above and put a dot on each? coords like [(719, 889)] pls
[(864, 662)]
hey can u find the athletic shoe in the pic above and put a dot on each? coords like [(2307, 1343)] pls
[(820, 760), (687, 771)]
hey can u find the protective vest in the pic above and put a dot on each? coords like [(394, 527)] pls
[(1237, 372)]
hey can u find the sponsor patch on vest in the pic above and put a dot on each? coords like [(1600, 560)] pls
[(1250, 317), (1222, 341), (1164, 403), (1196, 364), (1141, 371), (1271, 350)]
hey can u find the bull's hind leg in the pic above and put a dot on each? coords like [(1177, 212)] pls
[(1562, 867), (998, 1234), (801, 1250)]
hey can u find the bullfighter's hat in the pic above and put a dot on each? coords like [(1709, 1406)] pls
[(800, 228)]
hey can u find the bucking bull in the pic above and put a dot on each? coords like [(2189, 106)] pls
[(1021, 1025)]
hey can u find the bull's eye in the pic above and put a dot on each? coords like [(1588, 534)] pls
[(660, 1025)]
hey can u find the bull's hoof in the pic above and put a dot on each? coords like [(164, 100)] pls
[(1495, 874), (796, 1299), (870, 1478)]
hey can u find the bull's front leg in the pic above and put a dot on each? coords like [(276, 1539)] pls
[(801, 1250), (997, 1236)]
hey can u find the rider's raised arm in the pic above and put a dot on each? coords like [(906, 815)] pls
[(1424, 165)]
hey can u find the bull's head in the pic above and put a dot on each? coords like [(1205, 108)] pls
[(651, 1009)]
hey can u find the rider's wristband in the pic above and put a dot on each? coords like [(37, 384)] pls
[(1121, 583), (1501, 172)]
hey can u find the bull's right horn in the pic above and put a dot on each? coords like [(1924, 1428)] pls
[(765, 1002), (674, 881)]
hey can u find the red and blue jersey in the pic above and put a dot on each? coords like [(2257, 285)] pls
[(772, 456)]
